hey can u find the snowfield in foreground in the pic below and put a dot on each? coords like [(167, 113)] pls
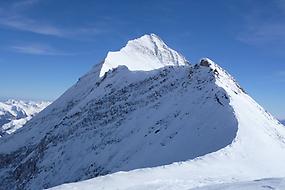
[(260, 184), (145, 118)]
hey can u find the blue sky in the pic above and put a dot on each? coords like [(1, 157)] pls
[(46, 45)]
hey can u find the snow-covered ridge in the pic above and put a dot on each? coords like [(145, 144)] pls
[(124, 121), (15, 113), (257, 151), (146, 53), (196, 117)]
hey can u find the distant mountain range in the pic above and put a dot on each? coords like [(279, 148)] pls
[(15, 113)]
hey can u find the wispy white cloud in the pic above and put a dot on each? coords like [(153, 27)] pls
[(38, 49), (281, 4), (277, 76), (31, 25), (44, 49), (281, 73), (13, 17), (264, 25), (263, 33), (24, 24), (24, 4)]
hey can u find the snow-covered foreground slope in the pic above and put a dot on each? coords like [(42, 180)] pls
[(15, 113), (132, 117), (261, 184)]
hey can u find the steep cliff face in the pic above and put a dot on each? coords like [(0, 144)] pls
[(143, 106)]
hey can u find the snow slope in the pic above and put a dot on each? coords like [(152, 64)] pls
[(194, 116), (261, 184), (15, 113), (257, 151)]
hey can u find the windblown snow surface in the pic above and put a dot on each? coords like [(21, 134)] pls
[(176, 126), (15, 113), (262, 184)]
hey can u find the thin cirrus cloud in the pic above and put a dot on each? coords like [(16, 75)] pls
[(34, 26), (281, 75), (261, 26), (276, 76), (37, 49), (24, 24), (13, 17), (263, 33), (44, 49), (24, 4)]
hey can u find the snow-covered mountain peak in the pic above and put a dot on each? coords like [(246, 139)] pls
[(146, 53), (148, 40), (196, 117), (13, 101)]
